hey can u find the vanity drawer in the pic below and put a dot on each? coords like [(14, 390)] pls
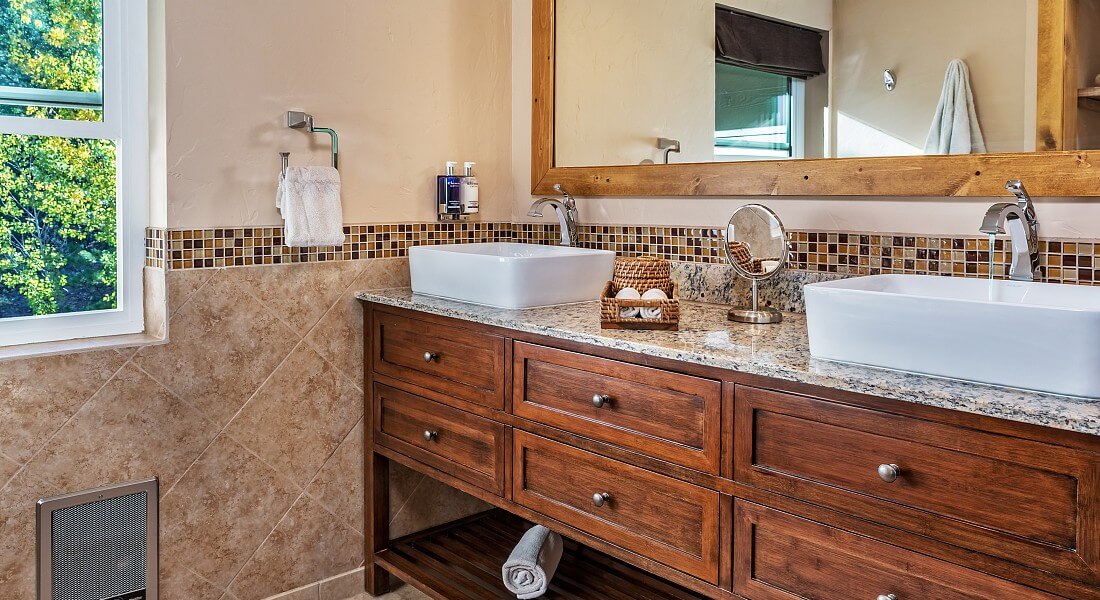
[(1021, 500), (454, 361), (663, 519), (778, 556), (666, 415), (458, 443)]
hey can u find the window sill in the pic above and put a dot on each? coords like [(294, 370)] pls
[(111, 342)]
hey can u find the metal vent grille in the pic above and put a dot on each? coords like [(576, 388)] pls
[(99, 548), (99, 545)]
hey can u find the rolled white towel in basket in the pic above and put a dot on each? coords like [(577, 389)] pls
[(653, 313), (629, 294), (532, 564)]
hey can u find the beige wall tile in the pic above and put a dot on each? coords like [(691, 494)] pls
[(299, 294), (299, 416), (177, 582), (339, 335), (431, 504), (7, 470), (17, 522), (132, 428), (339, 484), (222, 509), (183, 284), (308, 545), (224, 345), (38, 395)]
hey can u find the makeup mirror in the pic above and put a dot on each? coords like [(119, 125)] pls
[(756, 245)]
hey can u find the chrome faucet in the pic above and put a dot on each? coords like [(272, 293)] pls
[(567, 214), (1023, 226)]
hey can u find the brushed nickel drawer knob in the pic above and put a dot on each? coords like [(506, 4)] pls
[(601, 400), (887, 597), (431, 436), (600, 499), (889, 474), (430, 356)]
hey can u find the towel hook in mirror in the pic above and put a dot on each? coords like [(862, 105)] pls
[(300, 120), (890, 79)]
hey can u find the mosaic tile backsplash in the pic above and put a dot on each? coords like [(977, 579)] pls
[(843, 253)]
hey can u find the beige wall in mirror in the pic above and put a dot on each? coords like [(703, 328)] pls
[(629, 72)]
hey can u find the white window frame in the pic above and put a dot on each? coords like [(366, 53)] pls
[(797, 132), (126, 121)]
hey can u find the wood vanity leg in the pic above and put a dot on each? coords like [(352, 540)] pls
[(378, 580)]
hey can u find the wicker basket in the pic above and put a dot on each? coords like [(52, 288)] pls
[(611, 310), (643, 274)]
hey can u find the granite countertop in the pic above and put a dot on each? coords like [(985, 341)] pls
[(778, 351)]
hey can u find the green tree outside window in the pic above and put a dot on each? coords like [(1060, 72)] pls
[(58, 225)]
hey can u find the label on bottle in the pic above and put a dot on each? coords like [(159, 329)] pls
[(470, 202)]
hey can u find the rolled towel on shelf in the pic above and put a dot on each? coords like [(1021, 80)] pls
[(629, 294), (532, 564), (309, 201), (653, 313)]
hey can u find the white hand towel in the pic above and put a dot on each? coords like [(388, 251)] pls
[(309, 200), (532, 564), (629, 294), (955, 127), (653, 313)]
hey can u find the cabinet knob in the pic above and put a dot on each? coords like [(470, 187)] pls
[(887, 597), (889, 474), (601, 400), (431, 436), (430, 356), (600, 499)]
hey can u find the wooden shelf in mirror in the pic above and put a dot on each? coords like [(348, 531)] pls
[(1057, 171), (1089, 98)]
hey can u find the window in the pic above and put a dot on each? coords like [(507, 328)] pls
[(73, 168), (758, 115)]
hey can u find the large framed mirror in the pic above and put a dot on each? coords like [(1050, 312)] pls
[(816, 97)]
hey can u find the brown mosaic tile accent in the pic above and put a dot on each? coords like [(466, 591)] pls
[(154, 247), (854, 253), (1063, 261)]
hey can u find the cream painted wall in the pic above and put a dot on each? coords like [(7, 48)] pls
[(632, 71), (917, 40), (408, 84), (1060, 217)]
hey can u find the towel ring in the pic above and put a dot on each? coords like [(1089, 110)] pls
[(301, 120)]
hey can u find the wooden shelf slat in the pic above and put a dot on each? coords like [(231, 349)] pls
[(1091, 92), (463, 562)]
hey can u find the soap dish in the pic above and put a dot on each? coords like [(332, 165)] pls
[(611, 310)]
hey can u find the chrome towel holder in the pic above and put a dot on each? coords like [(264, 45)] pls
[(300, 120)]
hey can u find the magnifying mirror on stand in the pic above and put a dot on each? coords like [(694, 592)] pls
[(756, 246)]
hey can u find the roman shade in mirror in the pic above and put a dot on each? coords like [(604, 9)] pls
[(764, 45)]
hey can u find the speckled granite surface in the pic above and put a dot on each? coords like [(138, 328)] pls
[(777, 351), (720, 284)]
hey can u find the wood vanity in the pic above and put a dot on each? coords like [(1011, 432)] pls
[(679, 480)]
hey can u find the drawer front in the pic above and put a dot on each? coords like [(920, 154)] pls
[(458, 443), (778, 556), (663, 519), (666, 415), (1018, 499), (454, 361)]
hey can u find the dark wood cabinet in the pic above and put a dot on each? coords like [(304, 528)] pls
[(719, 484), (666, 415)]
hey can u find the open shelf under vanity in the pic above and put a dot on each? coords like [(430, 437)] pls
[(462, 560)]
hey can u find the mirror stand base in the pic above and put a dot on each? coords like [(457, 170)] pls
[(763, 316)]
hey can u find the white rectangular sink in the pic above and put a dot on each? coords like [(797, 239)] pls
[(1033, 336), (506, 275)]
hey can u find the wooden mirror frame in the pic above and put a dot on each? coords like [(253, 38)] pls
[(1056, 171)]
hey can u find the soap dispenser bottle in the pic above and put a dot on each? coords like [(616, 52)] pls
[(449, 194), (469, 191)]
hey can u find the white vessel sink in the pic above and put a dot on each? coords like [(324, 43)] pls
[(1034, 336), (507, 275)]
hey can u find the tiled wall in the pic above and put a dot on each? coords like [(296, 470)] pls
[(850, 253), (251, 416)]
